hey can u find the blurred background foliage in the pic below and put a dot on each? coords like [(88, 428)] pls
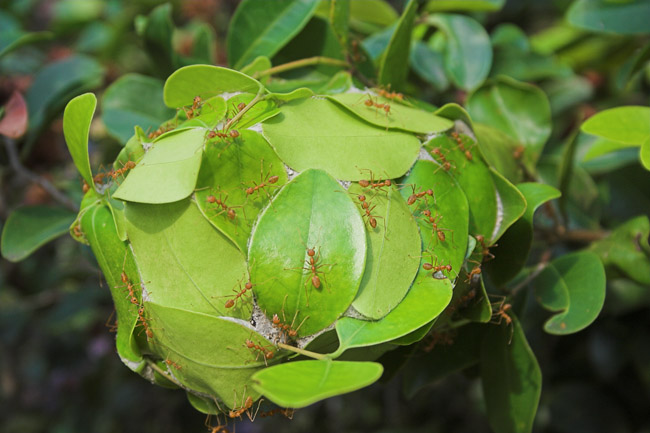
[(58, 368)]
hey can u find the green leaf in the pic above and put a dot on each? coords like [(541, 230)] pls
[(512, 380), (464, 5), (399, 117), (574, 286), (76, 127), (453, 111), (426, 299), (429, 65), (311, 211), (56, 84), (369, 16), (206, 82), (621, 17), (257, 30), (449, 207), (392, 247), (468, 52), (261, 63), (512, 252), (114, 257), (301, 383), (519, 110), (393, 66), (168, 171), (339, 18), (512, 204), (499, 151), (133, 100), (628, 125), (29, 228), (157, 32), (258, 113), (627, 249), (11, 40), (644, 154), (210, 351), (338, 142), (185, 262), (228, 168)]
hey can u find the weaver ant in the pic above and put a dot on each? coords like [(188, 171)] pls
[(371, 183), (258, 349), (221, 203), (171, 363), (287, 330), (501, 315), (265, 181), (461, 146), (415, 196), (485, 249)]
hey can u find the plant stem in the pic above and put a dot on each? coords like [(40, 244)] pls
[(163, 373), (248, 106), (302, 351), (22, 171), (310, 61)]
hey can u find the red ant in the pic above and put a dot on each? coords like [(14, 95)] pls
[(311, 265), (258, 349), (386, 93), (439, 338), (285, 329), (501, 315), (437, 231), (145, 326), (286, 412), (461, 146), (196, 104), (518, 152), (475, 272), (160, 131), (415, 196), (128, 284), (233, 134), (372, 219), (485, 249), (247, 404), (76, 230), (221, 203), (172, 364), (129, 165), (372, 183), (265, 181), (242, 291), (442, 160)]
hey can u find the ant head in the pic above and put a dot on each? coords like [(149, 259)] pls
[(241, 106), (311, 252), (248, 285)]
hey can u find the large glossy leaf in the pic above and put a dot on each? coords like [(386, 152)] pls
[(76, 127), (468, 52), (184, 261), (57, 83), (157, 30), (115, 258), (512, 204), (627, 249), (28, 228), (500, 151), (206, 82), (393, 65), (512, 252), (429, 65), (337, 142), (168, 171), (390, 268), (257, 30), (519, 110), (399, 117), (228, 168), (424, 302), (312, 211), (464, 5), (301, 383), (627, 18), (133, 100), (512, 380), (208, 353), (572, 285), (449, 208)]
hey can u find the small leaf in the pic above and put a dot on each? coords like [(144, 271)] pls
[(468, 52), (464, 5), (206, 82), (133, 100), (399, 117), (257, 30), (228, 168), (183, 260), (427, 298), (428, 64), (512, 380), (625, 18), (628, 125), (311, 211), (500, 151), (338, 142), (512, 204), (339, 18), (157, 32), (76, 127), (574, 285), (301, 383), (114, 257), (520, 110), (29, 228), (168, 171), (393, 254), (13, 122), (393, 66), (370, 15)]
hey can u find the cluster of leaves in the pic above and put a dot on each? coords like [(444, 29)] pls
[(190, 252)]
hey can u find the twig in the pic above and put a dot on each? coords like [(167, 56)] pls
[(310, 61), (546, 256), (163, 373), (302, 351), (22, 171), (248, 106)]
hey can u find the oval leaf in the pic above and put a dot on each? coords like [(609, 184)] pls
[(393, 66), (257, 30), (311, 211), (390, 269), (337, 142), (301, 383), (626, 125), (206, 82), (627, 18), (76, 127), (573, 284), (400, 116), (184, 261), (168, 171), (29, 228)]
